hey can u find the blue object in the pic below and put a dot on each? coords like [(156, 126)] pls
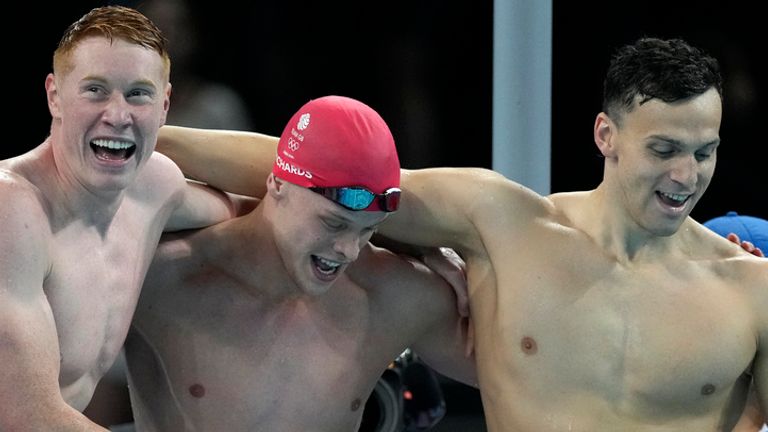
[(749, 228)]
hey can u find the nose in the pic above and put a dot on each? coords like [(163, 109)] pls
[(348, 245), (685, 171), (117, 112)]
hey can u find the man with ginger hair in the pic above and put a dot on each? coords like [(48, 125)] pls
[(82, 214)]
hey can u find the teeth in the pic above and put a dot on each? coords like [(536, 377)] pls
[(675, 197), (325, 262), (111, 144)]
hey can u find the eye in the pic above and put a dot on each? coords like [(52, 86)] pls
[(703, 156), (333, 225), (94, 91), (663, 153), (139, 94)]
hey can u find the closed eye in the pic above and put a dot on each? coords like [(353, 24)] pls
[(333, 225), (664, 154)]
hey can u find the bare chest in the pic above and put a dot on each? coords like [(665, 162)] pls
[(93, 288), (299, 365), (640, 341)]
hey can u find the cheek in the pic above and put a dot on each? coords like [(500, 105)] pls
[(643, 170), (705, 175), (708, 169), (365, 239), (637, 172)]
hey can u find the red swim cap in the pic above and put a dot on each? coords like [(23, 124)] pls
[(336, 141)]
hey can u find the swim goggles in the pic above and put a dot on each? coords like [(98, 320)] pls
[(359, 198)]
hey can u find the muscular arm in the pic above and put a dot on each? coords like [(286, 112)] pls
[(751, 420), (189, 204), (454, 206), (761, 359), (443, 336), (237, 162), (29, 349)]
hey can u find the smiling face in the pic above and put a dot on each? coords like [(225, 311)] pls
[(660, 158), (107, 110), (316, 238)]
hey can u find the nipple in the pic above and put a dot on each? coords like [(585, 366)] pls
[(528, 345), (197, 391)]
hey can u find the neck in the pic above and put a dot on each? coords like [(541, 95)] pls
[(616, 231), (69, 198), (245, 249)]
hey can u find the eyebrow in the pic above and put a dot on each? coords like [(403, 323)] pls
[(679, 143), (99, 78)]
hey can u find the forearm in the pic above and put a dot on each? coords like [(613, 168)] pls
[(751, 419), (399, 248), (30, 397), (451, 359), (61, 418), (233, 161)]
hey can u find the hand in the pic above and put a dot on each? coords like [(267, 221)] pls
[(747, 246), (448, 264)]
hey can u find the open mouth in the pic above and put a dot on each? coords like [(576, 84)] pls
[(112, 150), (673, 200), (324, 267)]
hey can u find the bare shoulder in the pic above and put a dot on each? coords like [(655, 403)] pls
[(174, 257), (493, 190), (708, 244), (384, 273), (159, 178), (23, 202), (25, 233), (728, 259), (174, 263), (497, 202), (570, 206), (376, 264)]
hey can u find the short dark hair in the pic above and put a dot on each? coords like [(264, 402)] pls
[(664, 69)]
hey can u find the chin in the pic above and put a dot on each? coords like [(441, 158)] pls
[(316, 289), (669, 228)]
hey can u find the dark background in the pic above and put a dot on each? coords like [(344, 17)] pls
[(426, 66)]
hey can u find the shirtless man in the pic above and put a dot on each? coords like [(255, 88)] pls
[(620, 313), (285, 318), (82, 214), (752, 234)]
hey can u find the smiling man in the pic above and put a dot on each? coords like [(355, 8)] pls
[(82, 214), (602, 310), (284, 319)]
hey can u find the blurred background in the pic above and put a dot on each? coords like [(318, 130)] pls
[(425, 66)]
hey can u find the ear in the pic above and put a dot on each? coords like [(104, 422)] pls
[(605, 133), (274, 186), (52, 93), (166, 102)]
